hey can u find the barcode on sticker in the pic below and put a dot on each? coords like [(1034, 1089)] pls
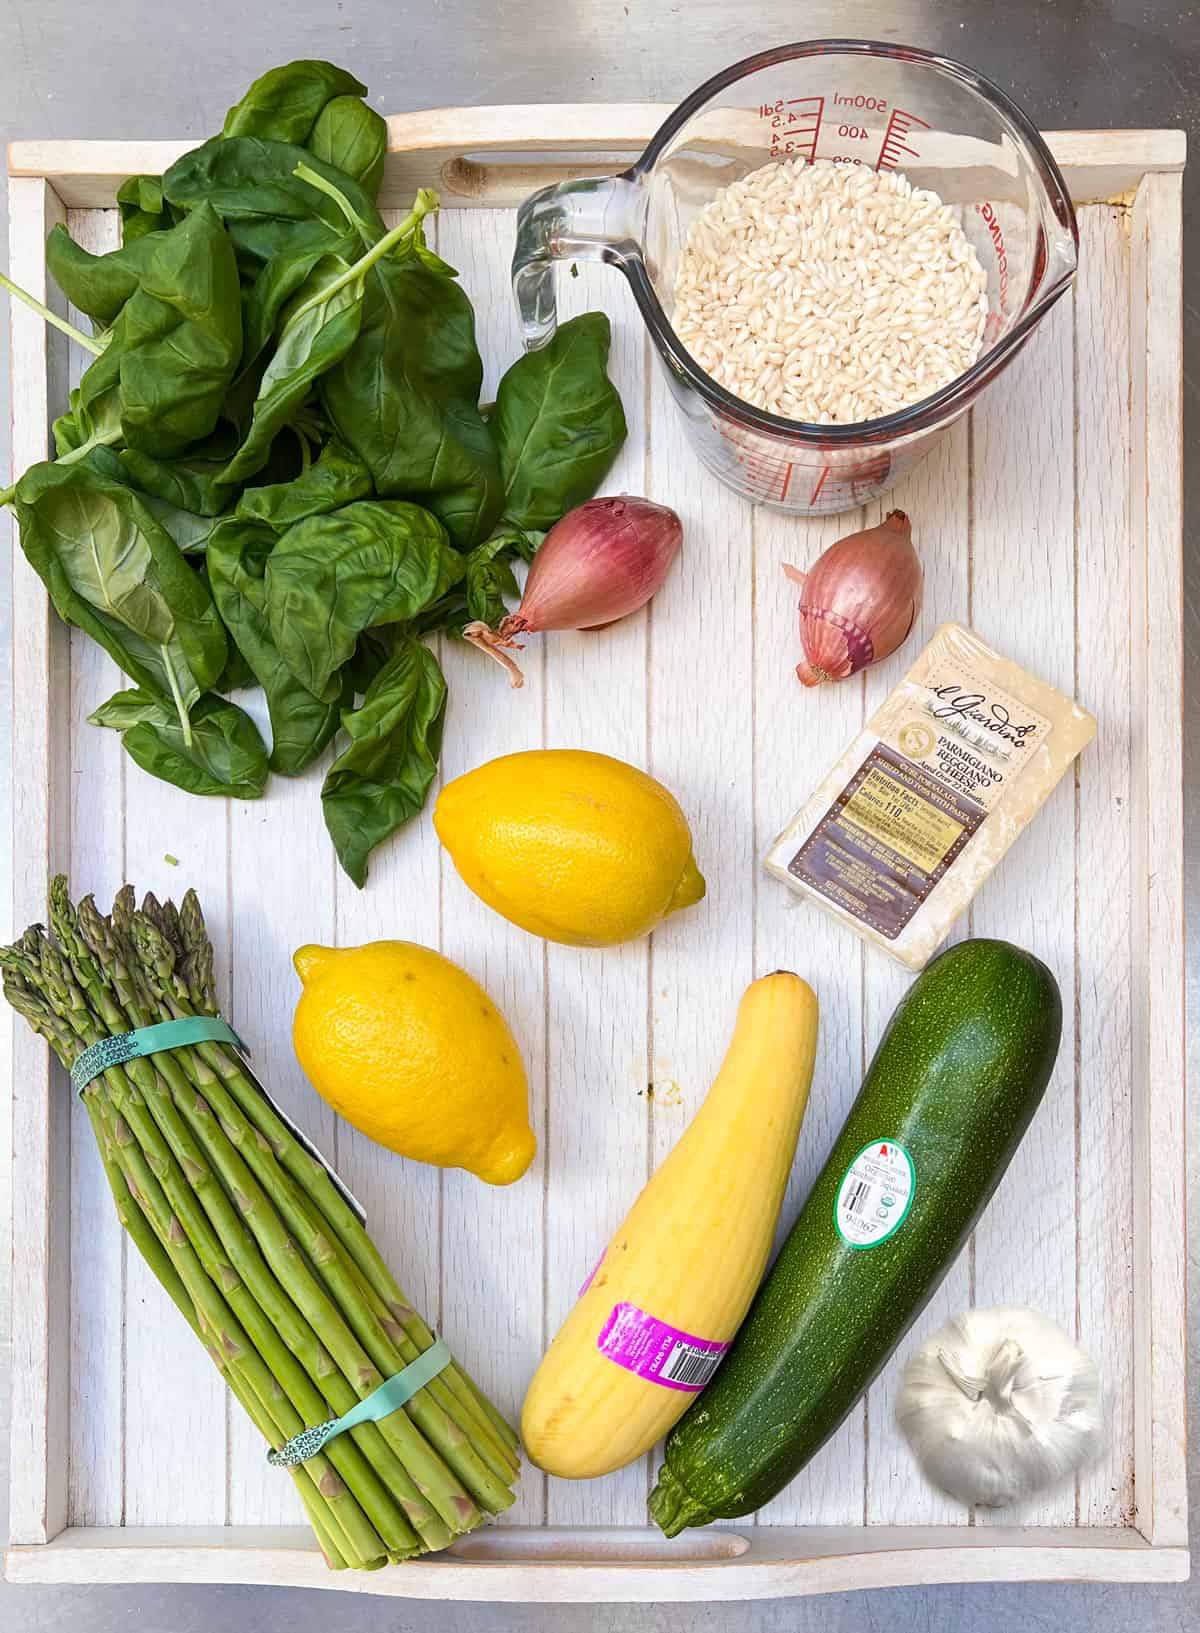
[(690, 1367), (657, 1351), (875, 1194)]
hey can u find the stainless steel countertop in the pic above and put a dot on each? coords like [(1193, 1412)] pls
[(141, 68)]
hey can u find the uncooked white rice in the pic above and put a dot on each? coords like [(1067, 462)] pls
[(829, 293)]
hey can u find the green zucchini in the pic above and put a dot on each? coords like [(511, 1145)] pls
[(957, 1076)]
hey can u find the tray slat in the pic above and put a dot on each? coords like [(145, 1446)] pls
[(940, 489), (1159, 1052), (788, 749), (1023, 532), (40, 1114), (1104, 1180), (1022, 600), (98, 1254)]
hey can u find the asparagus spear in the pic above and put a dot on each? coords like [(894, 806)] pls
[(164, 1250), (194, 1135), (183, 1139), (43, 1020), (235, 1259), (390, 1345), (158, 969), (485, 1473), (228, 1340), (487, 1485)]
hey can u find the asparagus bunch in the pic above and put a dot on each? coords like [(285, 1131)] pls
[(252, 1240)]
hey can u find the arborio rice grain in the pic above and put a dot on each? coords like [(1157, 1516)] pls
[(829, 292)]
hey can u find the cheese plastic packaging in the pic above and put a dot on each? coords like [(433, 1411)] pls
[(931, 793)]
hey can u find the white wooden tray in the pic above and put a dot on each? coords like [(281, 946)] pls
[(1051, 522)]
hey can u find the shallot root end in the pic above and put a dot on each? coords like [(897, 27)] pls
[(487, 640), (809, 676)]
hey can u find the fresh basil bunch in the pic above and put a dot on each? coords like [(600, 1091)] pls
[(276, 471)]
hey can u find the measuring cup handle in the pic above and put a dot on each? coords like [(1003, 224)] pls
[(597, 218)]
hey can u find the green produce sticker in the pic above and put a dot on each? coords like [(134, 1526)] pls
[(875, 1194)]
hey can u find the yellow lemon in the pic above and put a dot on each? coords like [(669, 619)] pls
[(570, 845), (404, 1045)]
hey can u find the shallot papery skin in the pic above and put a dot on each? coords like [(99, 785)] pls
[(602, 561), (859, 601)]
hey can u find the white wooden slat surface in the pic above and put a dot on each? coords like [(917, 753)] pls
[(700, 710), (798, 734), (598, 1066), (175, 1459), (265, 931), (494, 1259), (1159, 1190), (97, 818), (1105, 885), (1023, 602), (40, 816), (936, 499), (702, 691)]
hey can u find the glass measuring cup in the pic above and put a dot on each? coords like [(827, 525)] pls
[(887, 106)]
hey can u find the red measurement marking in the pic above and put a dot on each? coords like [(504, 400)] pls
[(862, 473), (899, 126), (795, 126), (765, 473)]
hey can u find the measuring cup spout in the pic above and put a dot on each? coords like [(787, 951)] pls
[(597, 218), (1062, 257)]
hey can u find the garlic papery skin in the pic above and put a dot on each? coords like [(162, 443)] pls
[(998, 1404)]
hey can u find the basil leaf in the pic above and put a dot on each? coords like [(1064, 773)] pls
[(93, 421), (372, 652), (488, 579), (278, 280), (381, 780), (406, 398), (267, 210), (191, 482), (353, 139), (143, 209), (338, 477), (226, 755), (174, 347), (189, 531), (180, 337), (301, 724), (114, 571), (284, 103), (237, 675), (97, 284), (330, 577), (558, 423), (312, 340)]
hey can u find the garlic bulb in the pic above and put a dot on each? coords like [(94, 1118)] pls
[(999, 1403)]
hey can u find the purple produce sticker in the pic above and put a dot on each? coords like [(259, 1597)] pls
[(641, 1343)]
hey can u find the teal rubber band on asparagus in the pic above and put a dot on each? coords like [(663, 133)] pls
[(177, 1034), (380, 1403), (151, 1040)]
